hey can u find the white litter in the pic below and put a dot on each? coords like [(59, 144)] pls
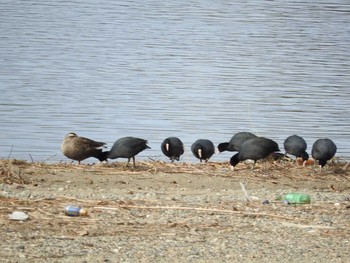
[(20, 216)]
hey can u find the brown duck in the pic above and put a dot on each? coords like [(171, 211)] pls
[(80, 148)]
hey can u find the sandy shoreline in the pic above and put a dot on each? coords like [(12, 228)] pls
[(162, 212)]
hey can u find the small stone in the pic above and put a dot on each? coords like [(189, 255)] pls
[(24, 194), (4, 194), (21, 247)]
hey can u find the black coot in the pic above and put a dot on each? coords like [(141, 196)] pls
[(254, 149), (236, 141), (296, 145), (127, 147), (173, 148), (203, 149), (323, 150)]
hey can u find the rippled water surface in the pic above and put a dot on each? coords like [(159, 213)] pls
[(152, 69)]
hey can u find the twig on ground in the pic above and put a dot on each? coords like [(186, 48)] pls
[(31, 158), (211, 210), (246, 195), (50, 157), (8, 157)]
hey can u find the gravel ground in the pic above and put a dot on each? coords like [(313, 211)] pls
[(162, 212)]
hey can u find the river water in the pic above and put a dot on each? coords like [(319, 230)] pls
[(153, 69)]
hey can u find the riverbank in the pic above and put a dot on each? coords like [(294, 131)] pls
[(164, 212)]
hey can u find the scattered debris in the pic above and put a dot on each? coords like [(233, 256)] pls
[(246, 195), (19, 216), (75, 211)]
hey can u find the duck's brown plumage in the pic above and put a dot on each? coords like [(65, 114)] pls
[(80, 148)]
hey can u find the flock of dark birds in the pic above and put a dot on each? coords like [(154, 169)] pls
[(247, 145)]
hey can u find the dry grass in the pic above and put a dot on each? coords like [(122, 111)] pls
[(19, 172)]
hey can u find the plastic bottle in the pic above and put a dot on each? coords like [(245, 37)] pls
[(296, 198), (75, 211)]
